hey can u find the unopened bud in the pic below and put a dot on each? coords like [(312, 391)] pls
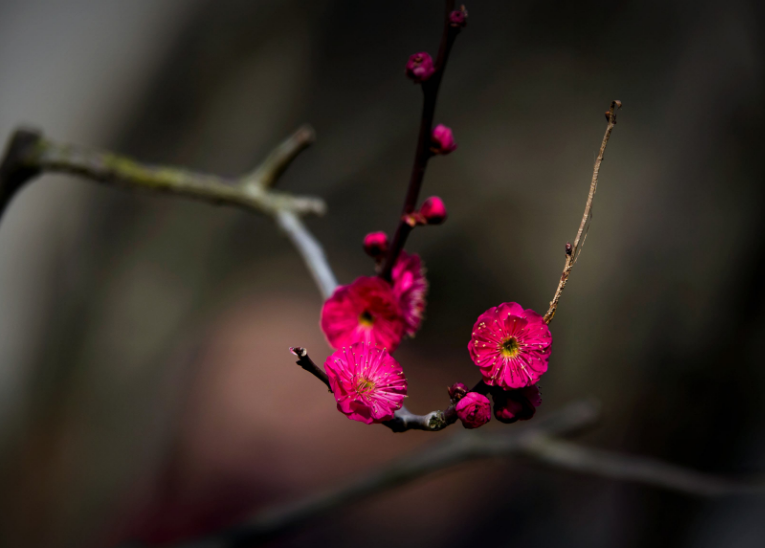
[(474, 410), (376, 244), (515, 405), (442, 140), (458, 18), (569, 249), (420, 67), (433, 211), (457, 391)]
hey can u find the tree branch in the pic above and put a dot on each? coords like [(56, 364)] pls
[(572, 251), (29, 155), (534, 440), (310, 250)]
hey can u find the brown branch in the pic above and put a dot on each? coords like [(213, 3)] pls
[(422, 154), (572, 251), (306, 363)]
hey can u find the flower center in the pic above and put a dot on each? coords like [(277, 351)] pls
[(366, 319), (364, 385), (510, 348)]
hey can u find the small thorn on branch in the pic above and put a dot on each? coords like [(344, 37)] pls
[(306, 363)]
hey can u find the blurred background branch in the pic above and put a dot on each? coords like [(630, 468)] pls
[(536, 441)]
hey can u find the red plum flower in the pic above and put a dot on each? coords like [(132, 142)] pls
[(376, 244), (433, 211), (365, 311), (473, 410), (367, 382), (442, 140), (511, 346), (420, 67), (515, 405), (410, 287)]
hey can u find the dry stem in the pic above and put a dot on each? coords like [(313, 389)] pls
[(572, 254)]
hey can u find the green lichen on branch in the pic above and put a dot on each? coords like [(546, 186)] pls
[(47, 156)]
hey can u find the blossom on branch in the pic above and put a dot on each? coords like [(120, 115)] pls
[(473, 410), (442, 140), (420, 67), (367, 310), (367, 382), (410, 288), (511, 346)]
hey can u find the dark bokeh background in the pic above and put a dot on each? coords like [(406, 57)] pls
[(145, 387)]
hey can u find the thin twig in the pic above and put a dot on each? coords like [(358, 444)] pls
[(310, 249), (430, 96), (572, 252), (305, 361), (269, 171)]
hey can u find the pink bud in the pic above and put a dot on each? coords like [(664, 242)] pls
[(376, 244), (420, 67), (473, 410), (433, 211), (457, 391), (442, 140), (458, 18), (515, 405)]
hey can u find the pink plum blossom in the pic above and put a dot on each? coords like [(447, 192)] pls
[(367, 382), (511, 346), (420, 67), (473, 410), (410, 287), (442, 140), (367, 310)]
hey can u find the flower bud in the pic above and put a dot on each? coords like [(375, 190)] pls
[(569, 249), (473, 410), (376, 244), (420, 67), (458, 18), (515, 405), (457, 391), (442, 140), (433, 211)]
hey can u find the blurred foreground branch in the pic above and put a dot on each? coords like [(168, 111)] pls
[(537, 441), (29, 155)]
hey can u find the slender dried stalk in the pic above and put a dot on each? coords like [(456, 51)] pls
[(572, 251)]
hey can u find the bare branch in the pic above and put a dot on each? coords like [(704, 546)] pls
[(534, 440), (305, 361), (280, 158), (29, 155), (572, 251), (644, 470), (310, 250)]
